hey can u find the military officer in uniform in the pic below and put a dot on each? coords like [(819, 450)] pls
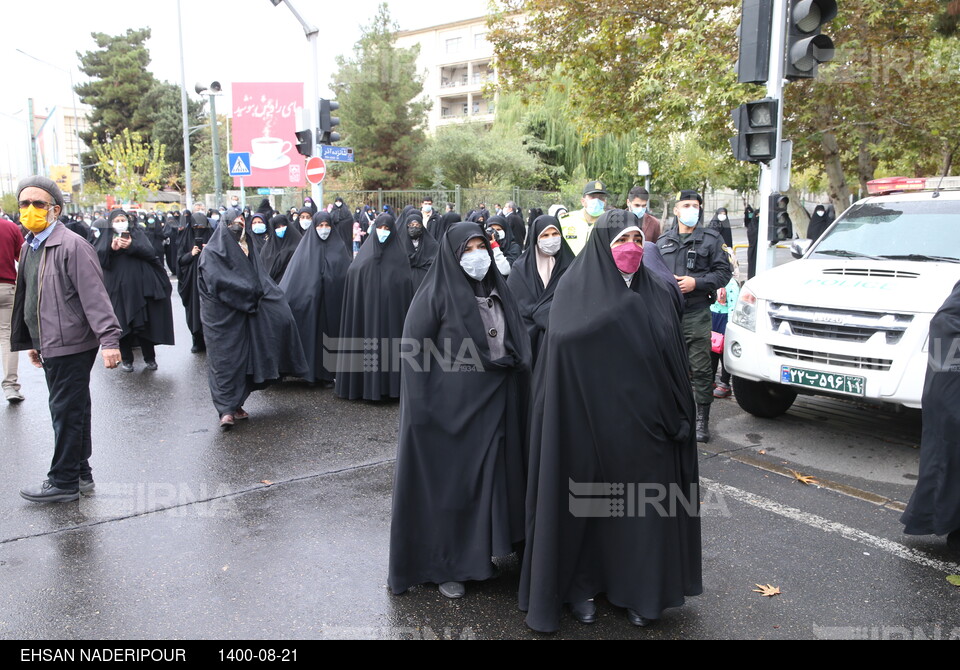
[(697, 257)]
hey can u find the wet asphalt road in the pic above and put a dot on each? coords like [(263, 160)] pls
[(280, 528)]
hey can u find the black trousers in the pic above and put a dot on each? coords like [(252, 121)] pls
[(68, 381), (147, 348)]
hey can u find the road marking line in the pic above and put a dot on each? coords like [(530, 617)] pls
[(815, 521)]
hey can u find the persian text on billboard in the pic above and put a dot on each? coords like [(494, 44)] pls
[(265, 117)]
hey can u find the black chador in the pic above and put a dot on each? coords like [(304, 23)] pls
[(314, 284), (379, 291)]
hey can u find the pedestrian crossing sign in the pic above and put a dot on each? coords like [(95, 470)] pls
[(239, 162)]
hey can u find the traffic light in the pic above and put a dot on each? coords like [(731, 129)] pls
[(754, 33), (780, 227), (327, 122), (756, 124), (305, 142), (806, 47)]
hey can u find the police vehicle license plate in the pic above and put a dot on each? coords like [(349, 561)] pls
[(826, 381)]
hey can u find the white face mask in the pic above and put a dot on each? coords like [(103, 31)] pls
[(721, 217), (324, 232), (550, 246), (305, 223), (121, 226), (476, 263)]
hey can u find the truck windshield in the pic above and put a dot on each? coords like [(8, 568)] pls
[(927, 230)]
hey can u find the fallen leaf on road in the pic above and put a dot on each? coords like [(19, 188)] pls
[(803, 479), (762, 451), (767, 591), (266, 481), (954, 579)]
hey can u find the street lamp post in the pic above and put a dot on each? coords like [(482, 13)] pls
[(188, 185), (76, 111), (212, 91), (312, 33)]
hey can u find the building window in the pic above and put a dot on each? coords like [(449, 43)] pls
[(444, 112), (453, 45), (476, 106), (479, 40), (466, 109)]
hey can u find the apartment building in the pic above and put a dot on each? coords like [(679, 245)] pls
[(458, 62)]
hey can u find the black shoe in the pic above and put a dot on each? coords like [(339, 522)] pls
[(87, 486), (584, 611), (151, 365), (637, 620), (453, 590), (703, 423), (47, 492), (953, 540), (126, 367)]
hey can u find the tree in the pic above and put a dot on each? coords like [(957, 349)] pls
[(382, 116), (130, 166), (119, 81), (666, 66), (473, 156), (162, 111)]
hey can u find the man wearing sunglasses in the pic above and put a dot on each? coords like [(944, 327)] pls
[(61, 316)]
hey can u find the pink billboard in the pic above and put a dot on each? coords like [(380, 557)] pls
[(265, 118)]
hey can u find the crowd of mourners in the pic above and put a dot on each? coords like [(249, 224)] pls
[(538, 359)]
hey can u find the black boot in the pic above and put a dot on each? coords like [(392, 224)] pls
[(953, 540), (703, 423)]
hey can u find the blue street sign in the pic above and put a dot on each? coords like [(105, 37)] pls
[(336, 154), (263, 191), (239, 163)]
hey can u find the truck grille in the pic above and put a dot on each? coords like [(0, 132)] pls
[(871, 272), (840, 325), (824, 358)]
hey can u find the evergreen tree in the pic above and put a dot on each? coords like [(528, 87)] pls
[(119, 81), (382, 117)]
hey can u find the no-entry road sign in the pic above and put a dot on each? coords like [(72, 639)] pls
[(316, 169)]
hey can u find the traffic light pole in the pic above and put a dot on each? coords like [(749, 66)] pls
[(313, 35), (770, 172)]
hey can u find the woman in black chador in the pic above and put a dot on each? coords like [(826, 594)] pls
[(934, 508), (280, 247), (191, 239), (138, 287), (379, 291), (314, 284), (252, 338), (612, 408), (461, 462), (536, 275), (420, 245)]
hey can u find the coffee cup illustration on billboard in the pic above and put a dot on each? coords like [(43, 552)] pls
[(269, 153)]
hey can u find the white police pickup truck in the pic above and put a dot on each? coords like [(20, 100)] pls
[(851, 317)]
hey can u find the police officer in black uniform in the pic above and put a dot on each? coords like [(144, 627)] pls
[(696, 256)]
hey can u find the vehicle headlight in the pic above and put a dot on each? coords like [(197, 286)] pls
[(745, 313)]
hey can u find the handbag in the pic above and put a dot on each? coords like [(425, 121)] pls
[(716, 342)]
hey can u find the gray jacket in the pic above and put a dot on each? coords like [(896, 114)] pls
[(76, 314)]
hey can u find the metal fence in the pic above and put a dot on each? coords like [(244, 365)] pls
[(462, 199)]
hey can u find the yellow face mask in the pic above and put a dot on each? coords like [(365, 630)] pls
[(34, 219)]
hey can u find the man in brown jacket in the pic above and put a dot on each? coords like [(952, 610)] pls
[(61, 315)]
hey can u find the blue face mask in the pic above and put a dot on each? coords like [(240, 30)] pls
[(281, 232), (259, 228), (382, 235), (594, 206), (689, 217), (639, 211)]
